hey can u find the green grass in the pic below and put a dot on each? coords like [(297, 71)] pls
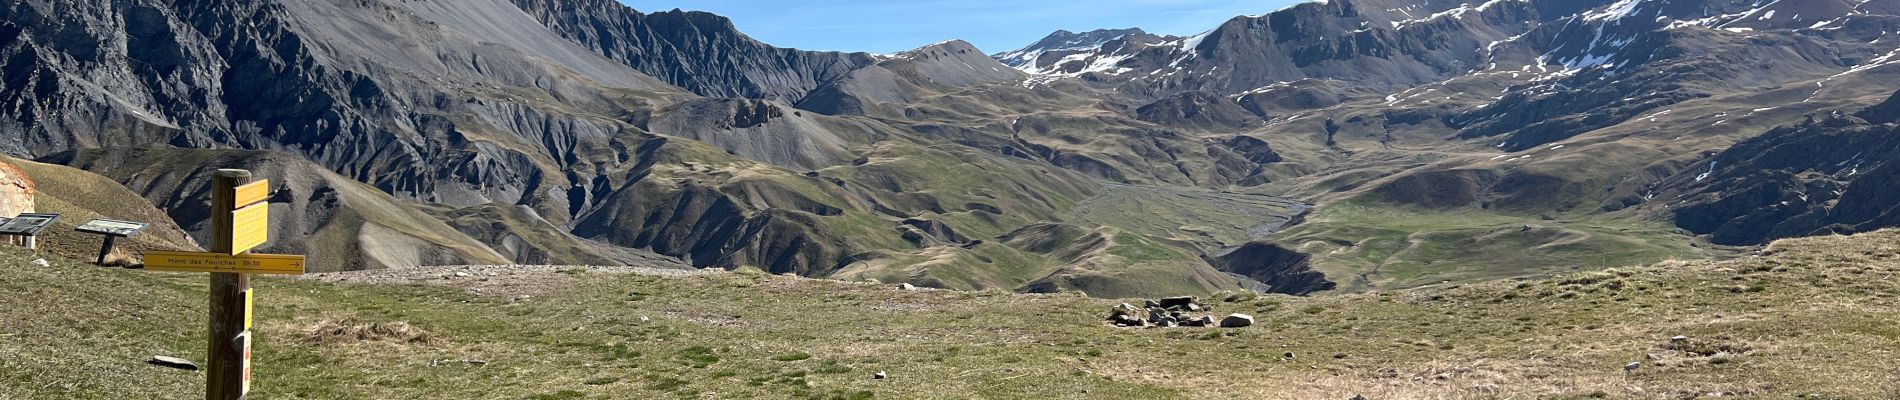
[(1205, 218), (1136, 249), (1396, 247), (1814, 317)]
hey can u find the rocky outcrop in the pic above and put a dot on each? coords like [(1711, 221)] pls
[(1169, 312), (698, 51), (916, 230), (1832, 175), (763, 130), (519, 234), (884, 89), (1199, 109), (1253, 149), (1307, 94), (706, 228), (1614, 71), (1065, 52), (1280, 269), (16, 191), (1374, 43), (1884, 113)]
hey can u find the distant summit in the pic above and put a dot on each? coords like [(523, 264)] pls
[(1065, 51)]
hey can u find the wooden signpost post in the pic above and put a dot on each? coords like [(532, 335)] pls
[(240, 221)]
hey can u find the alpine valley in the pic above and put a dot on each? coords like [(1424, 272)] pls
[(1342, 145)]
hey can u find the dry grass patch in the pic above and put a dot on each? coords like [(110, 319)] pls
[(329, 331)]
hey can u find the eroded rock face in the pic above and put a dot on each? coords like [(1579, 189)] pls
[(698, 51), (1282, 270), (16, 191), (708, 228), (1200, 109), (1832, 175), (762, 130), (885, 88), (429, 115), (935, 230)]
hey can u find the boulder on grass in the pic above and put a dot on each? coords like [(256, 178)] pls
[(1177, 303), (1236, 321)]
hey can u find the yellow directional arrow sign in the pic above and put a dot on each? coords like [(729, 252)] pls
[(250, 227), (250, 193), (213, 262)]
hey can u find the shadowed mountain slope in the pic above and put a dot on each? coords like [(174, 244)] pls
[(698, 51)]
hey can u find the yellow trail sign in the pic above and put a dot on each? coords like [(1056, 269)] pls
[(250, 227), (250, 298), (213, 262), (251, 193)]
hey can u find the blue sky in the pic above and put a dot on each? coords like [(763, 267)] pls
[(993, 25)]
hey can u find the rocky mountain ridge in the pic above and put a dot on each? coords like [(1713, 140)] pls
[(1114, 162), (1565, 111), (410, 133), (698, 51), (1830, 175)]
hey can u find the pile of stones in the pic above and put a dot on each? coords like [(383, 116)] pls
[(1172, 312)]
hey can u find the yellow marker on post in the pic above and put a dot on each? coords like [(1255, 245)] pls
[(250, 227), (250, 193), (250, 300), (240, 221)]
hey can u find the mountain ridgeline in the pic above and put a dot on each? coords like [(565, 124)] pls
[(1339, 145)]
